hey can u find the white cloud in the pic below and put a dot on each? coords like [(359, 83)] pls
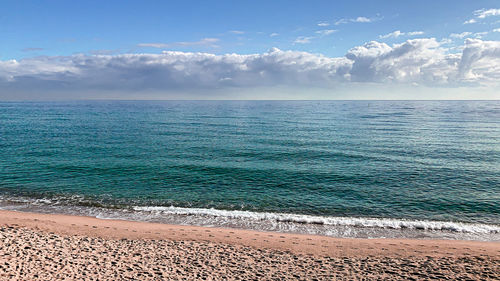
[(307, 39), (323, 24), (480, 61), (171, 70), (480, 35), (211, 42), (303, 40), (398, 33), (239, 32), (413, 33), (496, 30), (445, 41), (482, 14), (341, 21), (326, 32), (422, 61), (460, 35), (358, 19), (362, 19), (394, 34), (273, 34)]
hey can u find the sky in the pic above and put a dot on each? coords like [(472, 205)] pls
[(51, 50)]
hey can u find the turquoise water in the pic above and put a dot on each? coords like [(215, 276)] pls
[(411, 168)]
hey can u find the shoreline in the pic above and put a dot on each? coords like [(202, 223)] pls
[(332, 226), (125, 229), (273, 247)]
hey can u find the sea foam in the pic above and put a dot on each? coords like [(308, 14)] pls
[(328, 220)]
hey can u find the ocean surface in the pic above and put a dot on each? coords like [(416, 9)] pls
[(414, 169)]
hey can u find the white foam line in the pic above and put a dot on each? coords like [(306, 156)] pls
[(339, 221)]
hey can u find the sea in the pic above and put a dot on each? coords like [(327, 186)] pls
[(359, 169)]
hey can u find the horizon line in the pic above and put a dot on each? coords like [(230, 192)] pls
[(75, 100)]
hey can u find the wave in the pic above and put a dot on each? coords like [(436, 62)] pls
[(332, 221), (347, 227)]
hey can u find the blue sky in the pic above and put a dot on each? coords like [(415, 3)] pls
[(37, 34), (66, 27)]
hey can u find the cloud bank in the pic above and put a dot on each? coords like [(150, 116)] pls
[(414, 62)]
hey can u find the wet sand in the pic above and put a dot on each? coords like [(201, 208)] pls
[(60, 247)]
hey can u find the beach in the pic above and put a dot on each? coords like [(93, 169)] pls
[(37, 246)]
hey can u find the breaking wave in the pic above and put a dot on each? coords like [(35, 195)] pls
[(332, 221)]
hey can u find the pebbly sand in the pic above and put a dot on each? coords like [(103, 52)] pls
[(60, 247)]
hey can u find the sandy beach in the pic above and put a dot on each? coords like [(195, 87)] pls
[(60, 247)]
